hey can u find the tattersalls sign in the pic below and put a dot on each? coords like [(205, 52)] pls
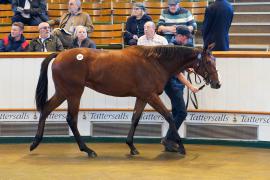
[(228, 118), (83, 115), (193, 117)]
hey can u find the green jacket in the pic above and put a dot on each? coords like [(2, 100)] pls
[(52, 44)]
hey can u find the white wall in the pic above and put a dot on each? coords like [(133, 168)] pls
[(245, 86)]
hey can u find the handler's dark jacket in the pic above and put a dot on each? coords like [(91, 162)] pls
[(38, 8), (52, 44), (216, 25)]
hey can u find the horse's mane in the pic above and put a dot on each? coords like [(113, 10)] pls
[(165, 52)]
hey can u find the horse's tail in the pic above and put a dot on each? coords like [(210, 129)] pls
[(42, 86)]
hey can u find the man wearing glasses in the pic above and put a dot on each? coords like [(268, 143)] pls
[(45, 42), (174, 16)]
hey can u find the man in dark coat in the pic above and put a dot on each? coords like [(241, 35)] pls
[(15, 41), (216, 25), (30, 12)]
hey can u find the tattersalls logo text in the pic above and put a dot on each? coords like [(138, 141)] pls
[(200, 117), (255, 119)]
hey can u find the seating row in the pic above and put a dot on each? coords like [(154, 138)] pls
[(105, 36), (111, 12)]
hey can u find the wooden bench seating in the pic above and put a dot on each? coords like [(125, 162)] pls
[(108, 36), (99, 12), (102, 12), (5, 14), (115, 11)]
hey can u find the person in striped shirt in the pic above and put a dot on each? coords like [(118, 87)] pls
[(174, 16)]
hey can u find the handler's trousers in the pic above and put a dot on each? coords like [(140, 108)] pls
[(175, 90)]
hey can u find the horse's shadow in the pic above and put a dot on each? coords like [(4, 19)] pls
[(79, 158)]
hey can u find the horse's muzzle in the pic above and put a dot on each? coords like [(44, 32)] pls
[(215, 85)]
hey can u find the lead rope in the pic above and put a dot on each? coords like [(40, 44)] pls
[(191, 96)]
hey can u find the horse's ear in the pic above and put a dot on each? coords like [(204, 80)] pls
[(211, 46)]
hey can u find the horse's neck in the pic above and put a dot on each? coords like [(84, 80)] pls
[(177, 65)]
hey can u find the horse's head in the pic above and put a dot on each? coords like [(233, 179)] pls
[(206, 67)]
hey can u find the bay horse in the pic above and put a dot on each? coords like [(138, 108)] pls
[(137, 71)]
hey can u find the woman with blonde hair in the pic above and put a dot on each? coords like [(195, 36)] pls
[(81, 39), (135, 23)]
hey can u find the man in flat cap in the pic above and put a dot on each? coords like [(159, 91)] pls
[(175, 91), (182, 37), (174, 16)]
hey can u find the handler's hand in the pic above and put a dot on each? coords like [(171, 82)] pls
[(194, 89)]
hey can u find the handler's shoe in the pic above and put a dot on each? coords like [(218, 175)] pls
[(181, 149), (169, 145)]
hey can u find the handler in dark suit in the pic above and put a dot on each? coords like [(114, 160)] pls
[(30, 12), (217, 22)]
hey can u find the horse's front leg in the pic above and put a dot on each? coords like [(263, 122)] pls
[(137, 112), (157, 104)]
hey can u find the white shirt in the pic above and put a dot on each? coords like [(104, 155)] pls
[(157, 40), (26, 6)]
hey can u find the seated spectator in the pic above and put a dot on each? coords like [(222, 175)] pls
[(15, 42), (30, 12), (150, 38), (174, 16), (45, 42), (5, 1), (81, 39), (135, 23), (68, 22), (181, 37)]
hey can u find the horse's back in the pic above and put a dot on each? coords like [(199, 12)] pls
[(114, 72)]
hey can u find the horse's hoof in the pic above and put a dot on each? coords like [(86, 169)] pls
[(33, 145), (134, 152), (92, 154)]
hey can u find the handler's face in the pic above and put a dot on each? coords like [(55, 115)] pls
[(181, 39)]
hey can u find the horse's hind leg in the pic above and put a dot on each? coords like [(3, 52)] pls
[(72, 119), (139, 107), (157, 104), (50, 105)]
